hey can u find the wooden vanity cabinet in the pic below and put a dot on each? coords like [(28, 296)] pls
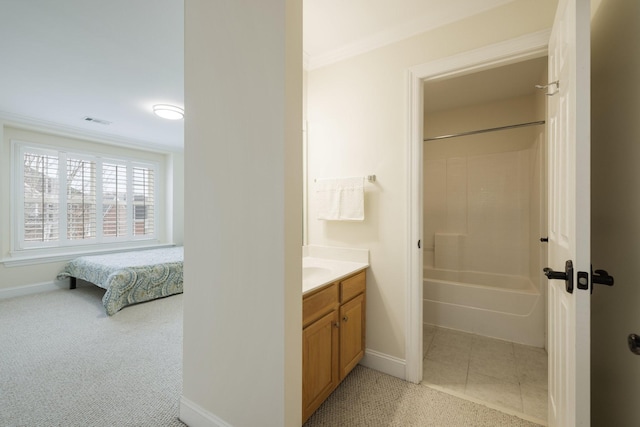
[(351, 334), (320, 353), (352, 322), (333, 338)]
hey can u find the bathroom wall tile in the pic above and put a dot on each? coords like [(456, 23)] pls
[(448, 251), (457, 195), (435, 199), (497, 210), (428, 256), (485, 198)]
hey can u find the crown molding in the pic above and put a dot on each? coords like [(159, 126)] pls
[(390, 36), (30, 123)]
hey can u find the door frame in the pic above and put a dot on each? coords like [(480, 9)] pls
[(533, 45)]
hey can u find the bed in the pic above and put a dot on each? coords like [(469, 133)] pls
[(130, 277)]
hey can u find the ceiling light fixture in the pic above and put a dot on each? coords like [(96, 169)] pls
[(167, 111)]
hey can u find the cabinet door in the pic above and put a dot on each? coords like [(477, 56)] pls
[(352, 334), (319, 362)]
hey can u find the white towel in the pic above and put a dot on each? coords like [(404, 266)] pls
[(340, 199)]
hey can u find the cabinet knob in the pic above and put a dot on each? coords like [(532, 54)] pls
[(345, 318), (337, 324)]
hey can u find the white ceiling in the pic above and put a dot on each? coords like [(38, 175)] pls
[(490, 85), (63, 60)]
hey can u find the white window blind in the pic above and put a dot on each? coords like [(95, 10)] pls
[(63, 193), (41, 198), (81, 199), (114, 200), (143, 201)]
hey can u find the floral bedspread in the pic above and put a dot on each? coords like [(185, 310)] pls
[(131, 277)]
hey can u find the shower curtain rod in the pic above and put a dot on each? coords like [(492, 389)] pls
[(473, 132)]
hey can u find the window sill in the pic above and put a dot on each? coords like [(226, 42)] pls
[(24, 259)]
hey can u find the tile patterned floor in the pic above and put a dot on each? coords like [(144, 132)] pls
[(501, 373)]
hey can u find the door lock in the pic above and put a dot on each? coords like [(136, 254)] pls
[(566, 275)]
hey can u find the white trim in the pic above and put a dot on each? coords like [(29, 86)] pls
[(529, 46), (43, 258), (384, 363), (413, 313), (36, 288), (305, 183), (22, 248), (195, 415)]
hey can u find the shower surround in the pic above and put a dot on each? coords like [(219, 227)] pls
[(482, 212)]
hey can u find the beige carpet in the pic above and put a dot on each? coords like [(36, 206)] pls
[(63, 362), (370, 398)]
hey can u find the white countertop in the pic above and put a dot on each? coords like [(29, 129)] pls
[(317, 272)]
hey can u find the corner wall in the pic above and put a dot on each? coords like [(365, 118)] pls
[(242, 350), (615, 211)]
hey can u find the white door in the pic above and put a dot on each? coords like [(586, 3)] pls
[(569, 214)]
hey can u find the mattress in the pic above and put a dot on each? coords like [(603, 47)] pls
[(131, 277)]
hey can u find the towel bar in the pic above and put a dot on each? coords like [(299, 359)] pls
[(370, 178)]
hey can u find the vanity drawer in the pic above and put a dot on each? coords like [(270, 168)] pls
[(352, 286), (319, 303)]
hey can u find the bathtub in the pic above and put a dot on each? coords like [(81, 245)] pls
[(499, 306)]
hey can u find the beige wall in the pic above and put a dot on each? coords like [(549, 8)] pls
[(170, 222), (242, 351), (615, 208), (358, 126)]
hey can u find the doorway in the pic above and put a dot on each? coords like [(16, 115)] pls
[(484, 202), (484, 213), (514, 51)]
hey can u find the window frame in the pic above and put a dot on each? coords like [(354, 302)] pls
[(63, 244)]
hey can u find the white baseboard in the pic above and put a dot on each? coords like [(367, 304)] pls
[(384, 363), (195, 415), (19, 291)]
